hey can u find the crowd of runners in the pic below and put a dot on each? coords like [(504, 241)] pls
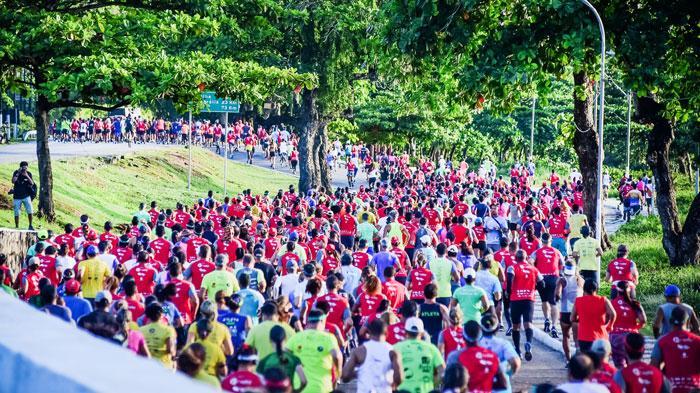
[(423, 279)]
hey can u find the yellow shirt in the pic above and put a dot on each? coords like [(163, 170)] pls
[(93, 273), (372, 219), (218, 336), (157, 335), (313, 348), (208, 379), (220, 280), (586, 250), (576, 221), (259, 337), (213, 356)]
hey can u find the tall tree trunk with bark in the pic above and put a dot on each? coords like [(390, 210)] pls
[(586, 146), (309, 175), (321, 146), (682, 244), (41, 117)]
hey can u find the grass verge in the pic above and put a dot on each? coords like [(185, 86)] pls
[(112, 190)]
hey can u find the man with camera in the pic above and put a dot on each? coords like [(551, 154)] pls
[(23, 191)]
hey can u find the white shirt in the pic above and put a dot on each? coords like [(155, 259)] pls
[(583, 387), (352, 277), (285, 285), (63, 263)]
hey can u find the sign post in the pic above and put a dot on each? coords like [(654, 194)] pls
[(213, 103), (189, 151)]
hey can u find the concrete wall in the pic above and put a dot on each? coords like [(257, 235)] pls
[(15, 243), (41, 353)]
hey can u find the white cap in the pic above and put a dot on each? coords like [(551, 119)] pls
[(33, 261), (453, 249), (425, 239), (469, 272), (414, 325), (102, 295), (569, 270), (601, 347)]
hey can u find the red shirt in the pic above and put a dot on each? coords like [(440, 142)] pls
[(47, 265), (360, 259), (482, 365), (123, 254), (402, 257), (111, 238), (348, 225), (286, 257), (68, 240), (329, 263), (161, 250), (604, 376), (591, 323), (369, 303), (144, 276), (271, 246), (681, 355), (640, 377), (395, 292), (479, 233), (154, 215), (193, 245), (241, 381), (198, 270), (33, 283), (524, 282), (620, 269), (548, 260), (453, 339), (338, 307), (419, 277), (136, 307), (461, 233), (228, 248), (181, 217), (183, 291), (529, 246), (557, 226), (626, 319), (396, 333), (8, 276)]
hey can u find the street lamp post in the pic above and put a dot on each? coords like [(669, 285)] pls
[(189, 150), (628, 96), (601, 109), (225, 154)]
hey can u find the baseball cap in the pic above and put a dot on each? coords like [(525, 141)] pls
[(453, 249), (291, 264), (33, 261), (469, 272), (672, 291), (258, 252), (425, 239), (414, 325), (601, 347), (103, 295), (478, 220), (42, 234), (72, 286), (383, 243), (309, 270), (68, 274), (394, 241), (293, 236), (91, 250), (489, 323)]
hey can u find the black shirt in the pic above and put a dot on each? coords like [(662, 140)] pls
[(23, 186), (432, 320)]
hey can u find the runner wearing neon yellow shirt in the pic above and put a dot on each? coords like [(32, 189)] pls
[(443, 271), (318, 352), (587, 253), (219, 280), (421, 360)]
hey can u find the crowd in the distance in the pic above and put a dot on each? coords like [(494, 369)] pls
[(408, 283)]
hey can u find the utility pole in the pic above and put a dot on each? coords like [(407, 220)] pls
[(532, 128), (629, 130), (225, 153), (189, 148), (601, 109)]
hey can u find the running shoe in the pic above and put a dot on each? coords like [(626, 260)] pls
[(554, 333), (546, 325), (528, 351), (509, 332), (501, 328)]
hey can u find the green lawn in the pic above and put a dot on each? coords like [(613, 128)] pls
[(643, 237), (113, 191)]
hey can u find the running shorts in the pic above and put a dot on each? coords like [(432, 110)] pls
[(522, 310), (547, 292)]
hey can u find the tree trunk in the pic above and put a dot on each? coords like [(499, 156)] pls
[(586, 146), (680, 243), (309, 175), (321, 146), (41, 117)]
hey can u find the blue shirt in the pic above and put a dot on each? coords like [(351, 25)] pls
[(235, 324), (77, 306), (383, 260), (251, 301)]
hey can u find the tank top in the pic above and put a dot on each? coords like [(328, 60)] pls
[(432, 320), (640, 377), (591, 310), (626, 320), (420, 277), (680, 351), (514, 215), (453, 339), (569, 293), (667, 308), (375, 374)]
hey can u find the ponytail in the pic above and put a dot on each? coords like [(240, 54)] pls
[(280, 352)]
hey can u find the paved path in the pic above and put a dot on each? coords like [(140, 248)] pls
[(27, 151)]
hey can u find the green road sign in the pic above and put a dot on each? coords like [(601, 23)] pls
[(215, 104)]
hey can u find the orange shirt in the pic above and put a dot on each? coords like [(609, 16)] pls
[(591, 317)]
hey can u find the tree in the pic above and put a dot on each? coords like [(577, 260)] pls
[(103, 55), (657, 51)]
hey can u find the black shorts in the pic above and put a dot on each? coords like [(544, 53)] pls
[(522, 310), (513, 226), (547, 292), (481, 246), (565, 318)]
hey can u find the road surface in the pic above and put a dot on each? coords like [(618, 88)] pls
[(27, 151)]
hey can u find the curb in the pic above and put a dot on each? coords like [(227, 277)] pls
[(547, 340)]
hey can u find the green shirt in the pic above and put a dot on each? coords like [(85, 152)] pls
[(469, 299), (8, 290), (442, 271), (259, 337), (575, 222), (367, 231), (420, 359), (313, 347), (220, 280), (586, 248), (274, 361)]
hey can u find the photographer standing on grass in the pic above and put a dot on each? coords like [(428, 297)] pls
[(23, 191)]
